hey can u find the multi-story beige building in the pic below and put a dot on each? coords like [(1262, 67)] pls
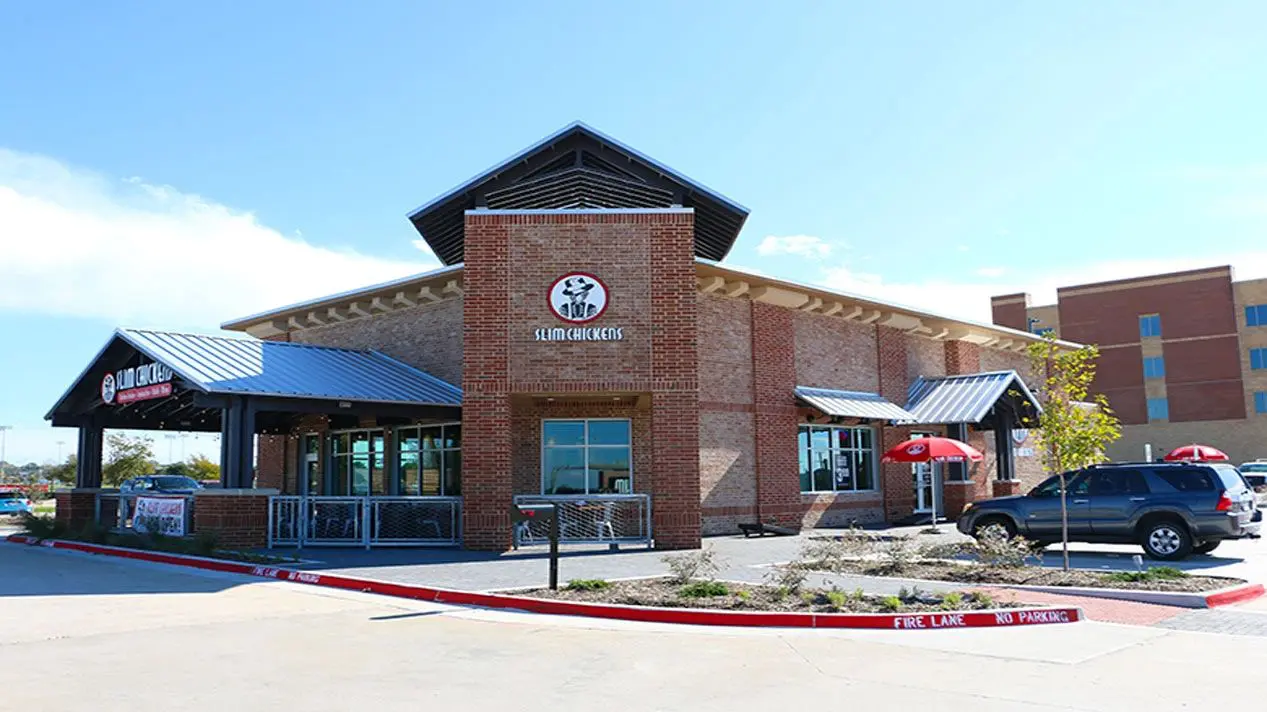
[(1183, 355)]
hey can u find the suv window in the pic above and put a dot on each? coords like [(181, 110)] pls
[(1231, 477), (1114, 482), (1186, 479), (1051, 486)]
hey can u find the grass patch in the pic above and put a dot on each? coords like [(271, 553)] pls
[(1154, 573), (588, 585), (703, 589)]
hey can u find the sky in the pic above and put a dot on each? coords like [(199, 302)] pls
[(176, 165)]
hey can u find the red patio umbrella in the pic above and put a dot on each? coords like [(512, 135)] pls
[(933, 450), (1196, 453)]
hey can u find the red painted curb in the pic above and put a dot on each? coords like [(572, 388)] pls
[(1240, 594), (691, 616)]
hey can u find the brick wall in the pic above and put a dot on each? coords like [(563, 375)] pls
[(270, 461), (774, 356), (427, 337), (834, 353), (925, 357), (1010, 310), (239, 518), (897, 483), (646, 262)]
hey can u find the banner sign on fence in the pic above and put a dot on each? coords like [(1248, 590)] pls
[(166, 514)]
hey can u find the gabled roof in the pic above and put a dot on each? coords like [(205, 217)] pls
[(966, 398), (852, 404), (579, 167), (235, 366)]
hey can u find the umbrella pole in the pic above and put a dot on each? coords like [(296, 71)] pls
[(933, 475)]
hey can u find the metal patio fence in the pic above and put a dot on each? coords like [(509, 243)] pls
[(590, 519), (364, 521)]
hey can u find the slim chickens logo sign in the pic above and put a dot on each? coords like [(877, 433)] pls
[(136, 383), (578, 298)]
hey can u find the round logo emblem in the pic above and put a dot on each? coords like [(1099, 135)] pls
[(915, 449), (1020, 435), (578, 297), (108, 389)]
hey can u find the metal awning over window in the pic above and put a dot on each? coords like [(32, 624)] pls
[(973, 398), (851, 404)]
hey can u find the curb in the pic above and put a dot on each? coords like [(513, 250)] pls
[(1011, 617), (1207, 599)]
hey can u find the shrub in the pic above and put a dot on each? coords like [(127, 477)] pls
[(836, 599), (994, 549), (744, 595), (952, 601), (900, 553), (689, 565), (587, 585), (703, 589), (1155, 573), (204, 543), (890, 604), (982, 599), (43, 527), (789, 576), (94, 533)]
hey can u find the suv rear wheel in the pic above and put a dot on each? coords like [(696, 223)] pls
[(1165, 539), (994, 521)]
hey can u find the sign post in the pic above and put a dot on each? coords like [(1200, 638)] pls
[(521, 513)]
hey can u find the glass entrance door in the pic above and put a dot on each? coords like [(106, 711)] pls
[(922, 476)]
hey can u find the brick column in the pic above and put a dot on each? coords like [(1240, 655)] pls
[(962, 357), (895, 478), (270, 461), (774, 410), (238, 517), (675, 494), (486, 427), (76, 507), (1005, 488)]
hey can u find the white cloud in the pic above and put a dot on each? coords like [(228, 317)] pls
[(803, 245), (969, 298), (135, 253), (991, 272)]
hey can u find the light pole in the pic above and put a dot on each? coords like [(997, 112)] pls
[(60, 443), (3, 429), (171, 440)]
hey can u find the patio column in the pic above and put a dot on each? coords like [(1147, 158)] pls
[(88, 467), (237, 443), (1006, 470)]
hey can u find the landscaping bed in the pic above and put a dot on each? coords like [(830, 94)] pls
[(42, 527), (667, 592)]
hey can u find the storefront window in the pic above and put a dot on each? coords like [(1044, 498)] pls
[(430, 460), (836, 458), (310, 464), (357, 463), (586, 457)]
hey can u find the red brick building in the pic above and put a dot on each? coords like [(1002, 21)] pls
[(608, 363), (1183, 356)]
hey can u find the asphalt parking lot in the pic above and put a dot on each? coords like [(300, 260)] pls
[(79, 630)]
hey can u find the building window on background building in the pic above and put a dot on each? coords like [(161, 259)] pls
[(586, 457), (1149, 326), (429, 460), (1256, 315), (836, 458), (1158, 409), (1260, 402), (1257, 359), (1154, 367)]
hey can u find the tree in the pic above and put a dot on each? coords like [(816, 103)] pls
[(64, 474), (1076, 426), (201, 468), (129, 457)]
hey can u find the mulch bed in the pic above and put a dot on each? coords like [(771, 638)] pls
[(1035, 576), (666, 593)]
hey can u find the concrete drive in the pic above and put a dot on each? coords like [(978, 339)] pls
[(80, 631)]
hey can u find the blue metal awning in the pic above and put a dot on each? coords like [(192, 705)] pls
[(235, 366), (963, 399), (851, 404)]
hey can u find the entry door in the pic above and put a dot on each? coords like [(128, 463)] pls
[(922, 475)]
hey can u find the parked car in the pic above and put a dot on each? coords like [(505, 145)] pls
[(160, 484), (13, 503), (1171, 509), (1256, 473)]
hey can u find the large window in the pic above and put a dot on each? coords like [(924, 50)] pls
[(836, 458), (1260, 402), (1149, 326), (1257, 359), (429, 461), (356, 463), (1154, 367), (586, 456), (1256, 315), (1158, 409)]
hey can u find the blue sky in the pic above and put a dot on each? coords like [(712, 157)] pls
[(175, 165)]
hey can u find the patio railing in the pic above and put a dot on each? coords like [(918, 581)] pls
[(590, 519), (364, 521)]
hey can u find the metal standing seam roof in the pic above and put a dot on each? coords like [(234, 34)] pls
[(225, 365), (961, 399), (852, 404)]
